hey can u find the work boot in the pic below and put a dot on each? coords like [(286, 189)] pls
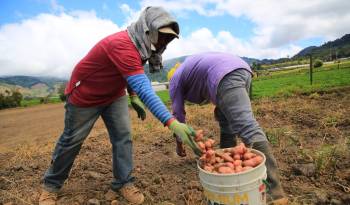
[(47, 198), (131, 193), (275, 189), (281, 201)]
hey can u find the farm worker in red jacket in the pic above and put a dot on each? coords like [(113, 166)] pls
[(97, 88), (224, 80)]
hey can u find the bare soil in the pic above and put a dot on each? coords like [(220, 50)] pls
[(310, 135)]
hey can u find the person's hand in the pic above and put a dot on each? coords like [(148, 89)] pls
[(138, 106), (186, 133)]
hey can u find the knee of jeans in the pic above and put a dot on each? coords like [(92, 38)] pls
[(71, 138)]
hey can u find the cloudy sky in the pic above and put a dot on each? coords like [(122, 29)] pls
[(48, 37)]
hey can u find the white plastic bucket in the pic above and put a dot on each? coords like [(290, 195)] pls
[(246, 188)]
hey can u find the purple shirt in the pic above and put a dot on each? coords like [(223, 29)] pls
[(197, 79)]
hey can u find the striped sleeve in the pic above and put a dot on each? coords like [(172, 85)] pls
[(143, 88)]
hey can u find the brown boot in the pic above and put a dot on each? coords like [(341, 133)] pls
[(47, 198), (281, 201), (131, 193), (276, 191)]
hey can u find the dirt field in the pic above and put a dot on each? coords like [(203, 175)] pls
[(310, 135)]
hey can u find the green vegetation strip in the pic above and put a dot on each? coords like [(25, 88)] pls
[(290, 83), (281, 83)]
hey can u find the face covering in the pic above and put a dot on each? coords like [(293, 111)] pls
[(155, 62)]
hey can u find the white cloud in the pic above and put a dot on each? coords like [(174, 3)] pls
[(50, 44), (278, 23), (130, 14), (224, 42), (56, 7)]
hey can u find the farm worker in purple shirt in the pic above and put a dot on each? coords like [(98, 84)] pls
[(224, 80)]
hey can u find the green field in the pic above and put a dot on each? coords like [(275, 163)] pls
[(285, 83)]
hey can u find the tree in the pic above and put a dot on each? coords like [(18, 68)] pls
[(10, 99), (61, 92), (318, 63), (256, 66)]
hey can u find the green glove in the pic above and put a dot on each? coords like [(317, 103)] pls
[(186, 134), (138, 106)]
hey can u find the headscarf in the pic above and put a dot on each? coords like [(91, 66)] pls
[(144, 33)]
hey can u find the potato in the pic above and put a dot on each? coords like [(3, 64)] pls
[(198, 138), (210, 153), (258, 160), (217, 165), (238, 150), (248, 155), (225, 170), (237, 162), (201, 145), (208, 144), (219, 159), (211, 141), (243, 147), (230, 164), (238, 169), (212, 160), (227, 157), (248, 163), (237, 157), (208, 168)]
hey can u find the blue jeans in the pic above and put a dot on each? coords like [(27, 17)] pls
[(77, 126), (233, 110)]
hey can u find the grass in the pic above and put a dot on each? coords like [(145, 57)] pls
[(290, 83), (36, 101)]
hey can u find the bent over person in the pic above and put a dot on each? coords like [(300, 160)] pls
[(97, 88), (224, 80)]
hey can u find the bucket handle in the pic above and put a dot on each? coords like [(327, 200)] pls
[(267, 184)]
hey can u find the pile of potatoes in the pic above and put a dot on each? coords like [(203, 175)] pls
[(226, 161)]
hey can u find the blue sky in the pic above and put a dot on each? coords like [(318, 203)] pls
[(48, 36)]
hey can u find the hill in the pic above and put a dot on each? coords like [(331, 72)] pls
[(31, 86), (329, 51)]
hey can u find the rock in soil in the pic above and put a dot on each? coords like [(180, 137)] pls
[(93, 202), (110, 195), (94, 175), (114, 202), (308, 170), (336, 202), (322, 197)]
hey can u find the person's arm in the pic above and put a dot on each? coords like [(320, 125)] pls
[(141, 85), (178, 105)]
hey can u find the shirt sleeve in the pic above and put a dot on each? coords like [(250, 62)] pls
[(142, 86)]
